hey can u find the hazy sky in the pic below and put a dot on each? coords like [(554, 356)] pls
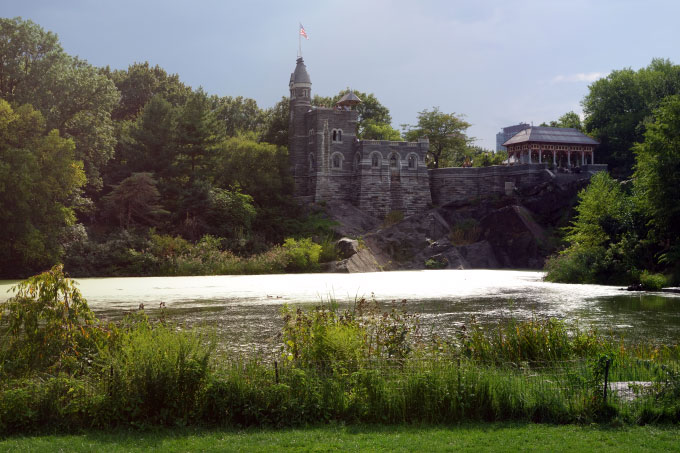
[(498, 62)]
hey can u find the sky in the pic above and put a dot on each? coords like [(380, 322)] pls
[(497, 62)]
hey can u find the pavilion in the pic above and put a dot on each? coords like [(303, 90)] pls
[(563, 146)]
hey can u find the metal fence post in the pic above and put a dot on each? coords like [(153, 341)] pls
[(606, 379)]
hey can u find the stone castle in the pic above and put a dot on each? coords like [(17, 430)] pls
[(329, 163)]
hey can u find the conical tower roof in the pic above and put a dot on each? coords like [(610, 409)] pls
[(300, 74)]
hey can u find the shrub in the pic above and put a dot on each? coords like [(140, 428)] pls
[(436, 263), (652, 282), (303, 255), (466, 232), (329, 250), (47, 325), (573, 266)]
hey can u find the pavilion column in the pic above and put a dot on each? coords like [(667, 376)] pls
[(583, 158), (540, 156), (568, 159), (529, 152), (554, 159), (592, 157)]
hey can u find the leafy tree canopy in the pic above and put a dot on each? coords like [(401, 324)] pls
[(135, 201), (371, 112), (73, 96), (657, 177), (239, 114), (618, 108), (275, 123), (141, 82), (39, 184), (569, 119), (446, 133)]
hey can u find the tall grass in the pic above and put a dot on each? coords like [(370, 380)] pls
[(362, 364)]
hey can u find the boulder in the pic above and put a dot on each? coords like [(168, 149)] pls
[(347, 247)]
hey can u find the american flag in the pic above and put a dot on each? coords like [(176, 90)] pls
[(303, 32)]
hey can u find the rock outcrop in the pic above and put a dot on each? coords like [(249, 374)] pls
[(500, 232)]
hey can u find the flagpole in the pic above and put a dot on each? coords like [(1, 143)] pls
[(299, 44)]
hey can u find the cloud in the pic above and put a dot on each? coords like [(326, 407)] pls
[(579, 77)]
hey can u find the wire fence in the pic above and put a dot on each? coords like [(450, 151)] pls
[(609, 381)]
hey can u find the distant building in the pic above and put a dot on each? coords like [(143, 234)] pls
[(507, 133)]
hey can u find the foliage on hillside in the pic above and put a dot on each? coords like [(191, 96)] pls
[(625, 233), (95, 162)]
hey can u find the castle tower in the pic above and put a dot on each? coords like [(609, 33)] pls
[(300, 103)]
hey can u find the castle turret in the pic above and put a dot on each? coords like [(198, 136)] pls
[(300, 102)]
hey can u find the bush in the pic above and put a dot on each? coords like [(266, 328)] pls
[(329, 250), (465, 232), (303, 255), (574, 266), (392, 218), (653, 282), (47, 326), (436, 263)]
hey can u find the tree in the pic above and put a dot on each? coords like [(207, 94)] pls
[(140, 83), (569, 119), (446, 133), (71, 94), (231, 214), (275, 125), (618, 108), (258, 169), (657, 178), (39, 184), (147, 144), (135, 201), (197, 132), (481, 157), (380, 131), (371, 113), (239, 115)]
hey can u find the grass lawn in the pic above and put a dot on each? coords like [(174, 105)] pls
[(472, 438)]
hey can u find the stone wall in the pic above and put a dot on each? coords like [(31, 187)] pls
[(458, 184), (391, 176)]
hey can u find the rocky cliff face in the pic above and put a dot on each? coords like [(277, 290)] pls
[(517, 231)]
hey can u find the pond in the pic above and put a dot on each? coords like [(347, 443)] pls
[(245, 310)]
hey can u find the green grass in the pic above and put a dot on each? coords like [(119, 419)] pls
[(465, 438)]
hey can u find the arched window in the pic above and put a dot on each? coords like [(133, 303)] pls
[(375, 161), (311, 162), (393, 161), (311, 136), (412, 161), (340, 135), (357, 161), (336, 161), (335, 135)]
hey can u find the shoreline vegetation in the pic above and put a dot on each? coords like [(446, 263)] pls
[(63, 370)]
